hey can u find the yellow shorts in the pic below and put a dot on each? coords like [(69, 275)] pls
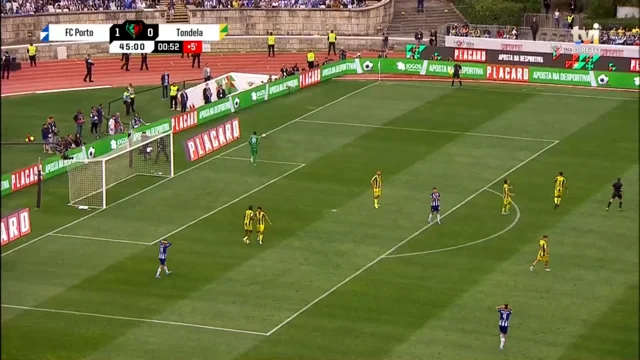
[(260, 228), (557, 194), (543, 257), (377, 192), (506, 201), (248, 226)]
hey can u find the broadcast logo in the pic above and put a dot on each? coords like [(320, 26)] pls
[(585, 36), (134, 29)]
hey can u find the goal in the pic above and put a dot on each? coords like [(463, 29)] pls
[(91, 179)]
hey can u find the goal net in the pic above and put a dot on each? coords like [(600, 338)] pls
[(91, 179)]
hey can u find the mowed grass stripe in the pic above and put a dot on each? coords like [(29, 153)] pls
[(258, 278), (381, 308), (118, 276), (550, 309), (409, 171), (613, 333)]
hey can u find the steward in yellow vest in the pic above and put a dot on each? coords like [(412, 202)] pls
[(32, 52), (173, 97), (311, 59), (332, 42), (271, 44), (132, 94)]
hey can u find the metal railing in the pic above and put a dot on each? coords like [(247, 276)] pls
[(478, 30), (549, 21)]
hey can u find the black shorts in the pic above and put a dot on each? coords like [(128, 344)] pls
[(456, 76), (616, 195)]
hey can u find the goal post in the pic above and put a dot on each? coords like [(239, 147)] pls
[(90, 179)]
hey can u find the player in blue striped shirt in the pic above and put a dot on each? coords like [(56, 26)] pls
[(435, 205), (162, 256), (504, 312)]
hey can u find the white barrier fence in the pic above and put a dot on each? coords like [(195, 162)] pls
[(542, 46)]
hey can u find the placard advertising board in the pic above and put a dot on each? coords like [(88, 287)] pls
[(555, 60)]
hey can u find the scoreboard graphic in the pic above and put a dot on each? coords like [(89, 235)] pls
[(137, 37)]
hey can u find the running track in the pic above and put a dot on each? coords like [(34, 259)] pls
[(68, 74)]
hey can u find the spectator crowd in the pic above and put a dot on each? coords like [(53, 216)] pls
[(29, 7), (621, 36), (485, 31), (304, 4)]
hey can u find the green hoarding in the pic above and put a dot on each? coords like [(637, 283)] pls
[(618, 80)]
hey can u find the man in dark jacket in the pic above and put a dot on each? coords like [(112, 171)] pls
[(184, 100), (164, 81), (419, 36), (207, 94), (220, 93), (534, 28), (6, 64)]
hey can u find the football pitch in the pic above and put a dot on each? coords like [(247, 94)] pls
[(335, 278)]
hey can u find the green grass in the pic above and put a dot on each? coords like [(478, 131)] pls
[(25, 115), (438, 305)]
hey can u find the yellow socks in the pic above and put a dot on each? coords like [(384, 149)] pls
[(375, 203)]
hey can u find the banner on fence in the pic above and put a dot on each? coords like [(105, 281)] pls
[(504, 66), (618, 51), (15, 226), (558, 60)]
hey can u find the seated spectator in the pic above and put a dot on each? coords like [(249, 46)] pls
[(77, 141)]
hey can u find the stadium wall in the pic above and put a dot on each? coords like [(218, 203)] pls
[(54, 51), (20, 29), (352, 22)]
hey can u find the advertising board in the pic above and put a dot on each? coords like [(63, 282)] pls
[(501, 66), (529, 46), (552, 59), (15, 226)]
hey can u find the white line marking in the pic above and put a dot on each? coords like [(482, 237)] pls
[(134, 319), (185, 171), (100, 239), (228, 204), (515, 221), (405, 241), (424, 130), (487, 88), (58, 90), (262, 161)]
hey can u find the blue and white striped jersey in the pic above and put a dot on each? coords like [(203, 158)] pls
[(505, 316), (163, 250), (435, 198)]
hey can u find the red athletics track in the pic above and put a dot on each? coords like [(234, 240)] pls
[(68, 74)]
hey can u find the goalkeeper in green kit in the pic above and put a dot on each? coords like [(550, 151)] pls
[(254, 141)]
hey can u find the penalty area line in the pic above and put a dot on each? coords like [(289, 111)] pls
[(262, 161), (426, 130), (99, 239), (69, 312), (330, 291), (515, 221), (187, 170), (227, 204)]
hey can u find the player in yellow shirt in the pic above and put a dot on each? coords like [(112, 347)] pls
[(248, 224), (376, 185), (560, 187), (543, 253), (261, 219), (506, 197)]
